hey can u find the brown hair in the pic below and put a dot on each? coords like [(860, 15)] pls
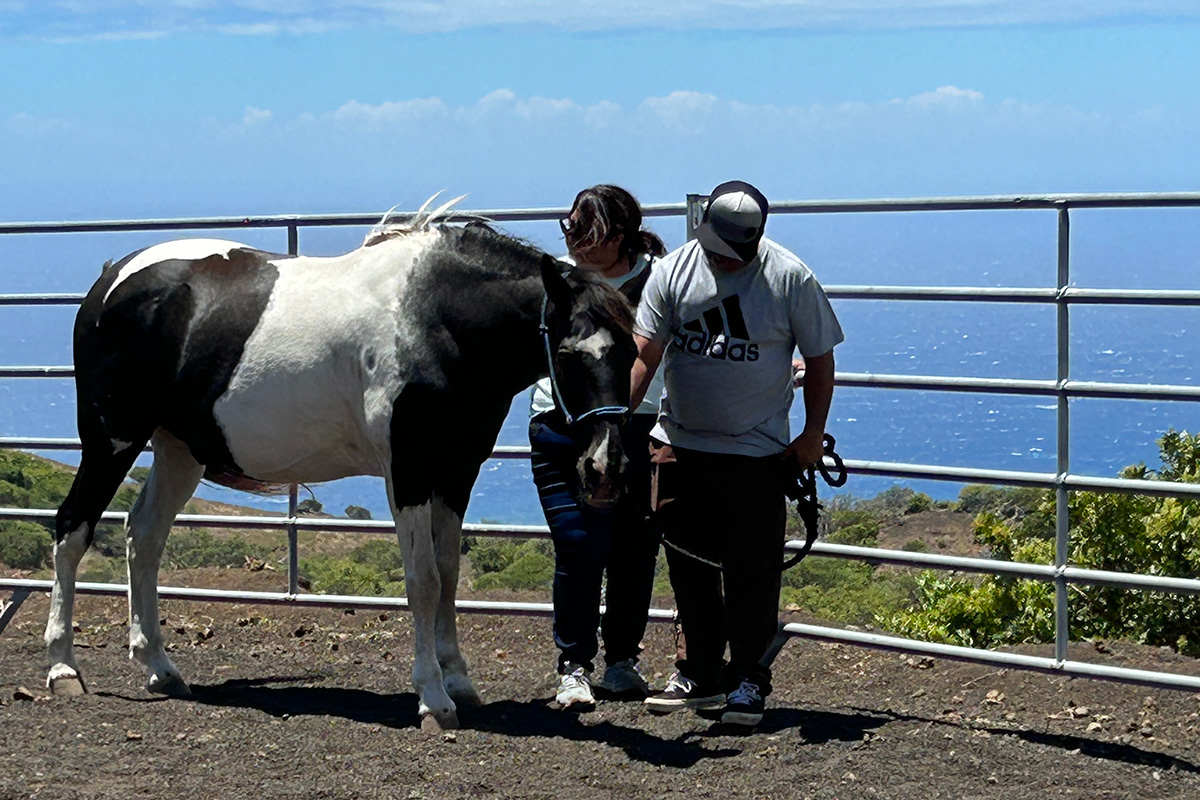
[(605, 211)]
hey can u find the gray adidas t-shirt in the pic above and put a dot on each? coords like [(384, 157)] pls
[(729, 344)]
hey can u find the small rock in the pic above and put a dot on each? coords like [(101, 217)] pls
[(994, 697), (449, 736), (132, 736), (1094, 726), (21, 693), (1081, 711)]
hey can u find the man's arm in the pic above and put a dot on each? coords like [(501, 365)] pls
[(649, 354), (808, 447)]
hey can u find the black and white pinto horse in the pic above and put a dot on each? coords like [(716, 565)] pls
[(399, 359)]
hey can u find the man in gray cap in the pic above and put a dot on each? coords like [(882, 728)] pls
[(725, 313)]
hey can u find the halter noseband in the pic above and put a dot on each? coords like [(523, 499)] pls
[(601, 411)]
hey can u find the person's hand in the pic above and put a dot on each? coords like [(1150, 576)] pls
[(806, 449), (797, 372)]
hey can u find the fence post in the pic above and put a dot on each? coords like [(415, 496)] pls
[(1062, 543), (9, 610), (693, 214), (293, 494)]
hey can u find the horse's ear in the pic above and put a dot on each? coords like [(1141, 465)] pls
[(556, 285)]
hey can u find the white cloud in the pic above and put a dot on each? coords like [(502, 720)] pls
[(30, 124), (256, 116), (689, 112), (945, 97), (682, 111), (102, 18), (389, 113)]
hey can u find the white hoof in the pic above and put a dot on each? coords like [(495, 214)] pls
[(436, 723), (67, 685)]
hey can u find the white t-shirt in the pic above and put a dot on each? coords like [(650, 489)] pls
[(729, 343), (541, 399)]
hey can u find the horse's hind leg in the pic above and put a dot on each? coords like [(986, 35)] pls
[(102, 467), (447, 537), (172, 480)]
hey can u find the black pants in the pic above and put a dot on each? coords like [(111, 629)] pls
[(727, 509), (589, 542)]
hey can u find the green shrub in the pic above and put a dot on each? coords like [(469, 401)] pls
[(357, 512), (508, 564), (846, 592), (25, 545), (1115, 532), (918, 502), (862, 534), (347, 576), (189, 549)]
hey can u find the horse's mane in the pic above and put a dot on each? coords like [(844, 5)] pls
[(601, 300), (605, 302), (422, 220)]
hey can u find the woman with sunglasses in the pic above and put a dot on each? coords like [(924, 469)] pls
[(603, 233)]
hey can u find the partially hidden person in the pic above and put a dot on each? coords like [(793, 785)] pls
[(603, 234)]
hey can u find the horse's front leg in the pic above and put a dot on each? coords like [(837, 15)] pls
[(423, 583), (447, 533)]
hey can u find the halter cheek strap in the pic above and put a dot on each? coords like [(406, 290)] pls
[(601, 411)]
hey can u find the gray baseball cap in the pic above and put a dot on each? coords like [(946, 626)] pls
[(734, 218)]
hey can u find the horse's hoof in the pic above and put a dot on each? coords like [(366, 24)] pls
[(170, 685), (435, 723), (469, 699), (67, 686), (463, 693)]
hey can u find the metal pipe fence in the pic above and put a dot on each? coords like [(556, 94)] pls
[(1062, 296)]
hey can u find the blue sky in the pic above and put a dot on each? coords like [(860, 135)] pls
[(132, 108)]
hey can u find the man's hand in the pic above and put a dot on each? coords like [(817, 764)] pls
[(807, 448)]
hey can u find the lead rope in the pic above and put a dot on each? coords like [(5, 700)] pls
[(803, 490)]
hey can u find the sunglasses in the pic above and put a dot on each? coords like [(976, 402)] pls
[(570, 228)]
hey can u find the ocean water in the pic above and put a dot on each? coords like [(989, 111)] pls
[(1139, 249)]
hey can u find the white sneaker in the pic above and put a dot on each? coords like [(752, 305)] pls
[(575, 689), (624, 679)]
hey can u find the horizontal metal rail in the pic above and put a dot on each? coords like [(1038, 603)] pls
[(964, 294), (964, 203), (1070, 388), (871, 555), (1082, 669)]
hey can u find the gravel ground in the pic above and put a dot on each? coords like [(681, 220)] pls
[(292, 702)]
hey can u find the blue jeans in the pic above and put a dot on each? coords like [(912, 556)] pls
[(589, 542)]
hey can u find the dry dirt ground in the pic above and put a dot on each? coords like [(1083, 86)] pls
[(291, 702)]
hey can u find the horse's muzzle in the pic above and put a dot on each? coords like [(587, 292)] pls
[(602, 465)]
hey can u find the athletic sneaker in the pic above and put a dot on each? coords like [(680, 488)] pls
[(624, 679), (683, 692), (575, 689), (745, 705)]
